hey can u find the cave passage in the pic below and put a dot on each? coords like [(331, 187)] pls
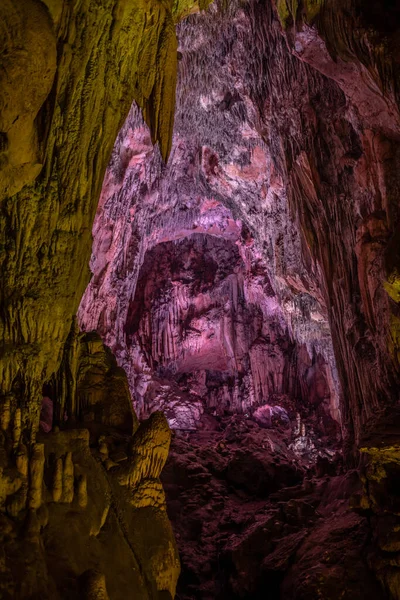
[(206, 289), (221, 283)]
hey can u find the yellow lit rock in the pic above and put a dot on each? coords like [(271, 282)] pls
[(68, 479), (36, 467), (60, 112), (22, 459), (57, 487), (79, 514), (5, 414)]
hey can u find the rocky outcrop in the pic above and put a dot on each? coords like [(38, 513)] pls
[(189, 309), (182, 291), (286, 144), (89, 387), (98, 472), (362, 60), (284, 164), (204, 327), (250, 516), (69, 75)]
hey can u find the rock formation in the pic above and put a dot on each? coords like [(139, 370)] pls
[(55, 148), (66, 505), (224, 317), (279, 137), (249, 288), (250, 517)]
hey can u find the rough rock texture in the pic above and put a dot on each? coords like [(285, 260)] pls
[(69, 72), (204, 327), (89, 387), (184, 297), (286, 147), (83, 511), (287, 128), (351, 185), (251, 519)]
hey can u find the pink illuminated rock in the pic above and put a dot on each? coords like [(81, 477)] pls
[(292, 158), (268, 416), (184, 296), (253, 280)]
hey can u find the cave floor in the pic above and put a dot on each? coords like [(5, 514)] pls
[(252, 522)]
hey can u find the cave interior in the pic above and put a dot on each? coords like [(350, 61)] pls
[(200, 300)]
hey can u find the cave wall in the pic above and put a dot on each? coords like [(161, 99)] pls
[(69, 73), (204, 330), (294, 125), (191, 322), (334, 143), (316, 93), (344, 185), (82, 511)]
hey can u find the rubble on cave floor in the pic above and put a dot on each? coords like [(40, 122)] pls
[(253, 519)]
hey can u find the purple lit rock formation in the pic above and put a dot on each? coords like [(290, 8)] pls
[(278, 135), (184, 296)]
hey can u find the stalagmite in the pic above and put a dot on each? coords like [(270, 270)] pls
[(103, 449), (68, 479), (82, 491), (36, 467), (237, 176), (22, 459), (57, 483), (5, 414), (17, 427), (94, 586), (149, 451)]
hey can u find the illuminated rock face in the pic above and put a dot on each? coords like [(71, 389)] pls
[(287, 129), (58, 124), (204, 330), (83, 508), (286, 147), (183, 295)]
